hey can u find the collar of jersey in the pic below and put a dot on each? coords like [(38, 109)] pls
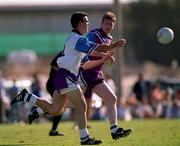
[(76, 31)]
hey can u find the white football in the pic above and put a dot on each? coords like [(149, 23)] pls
[(165, 35)]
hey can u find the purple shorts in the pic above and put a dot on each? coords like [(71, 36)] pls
[(91, 78), (88, 93), (60, 79)]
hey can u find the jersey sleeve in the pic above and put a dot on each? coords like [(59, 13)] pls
[(85, 46), (91, 37)]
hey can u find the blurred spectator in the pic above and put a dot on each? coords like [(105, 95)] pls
[(144, 110), (164, 103), (1, 97), (133, 103), (155, 95), (124, 109), (4, 101), (1, 89), (36, 86), (140, 89), (15, 111), (174, 108)]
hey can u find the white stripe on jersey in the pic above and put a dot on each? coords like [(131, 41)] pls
[(99, 36)]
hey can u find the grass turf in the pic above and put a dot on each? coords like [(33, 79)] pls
[(145, 133)]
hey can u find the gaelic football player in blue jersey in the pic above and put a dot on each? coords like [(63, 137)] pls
[(66, 81)]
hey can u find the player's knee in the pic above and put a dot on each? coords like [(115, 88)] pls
[(82, 107), (112, 100), (55, 111), (61, 111)]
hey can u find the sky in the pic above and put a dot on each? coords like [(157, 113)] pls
[(55, 2)]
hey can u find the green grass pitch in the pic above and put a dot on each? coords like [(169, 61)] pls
[(145, 133)]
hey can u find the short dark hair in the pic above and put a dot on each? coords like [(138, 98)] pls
[(77, 17), (109, 15)]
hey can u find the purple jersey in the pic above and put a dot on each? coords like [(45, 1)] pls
[(99, 37), (94, 76)]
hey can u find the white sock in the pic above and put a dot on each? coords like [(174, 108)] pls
[(31, 98), (84, 134), (114, 128), (40, 111)]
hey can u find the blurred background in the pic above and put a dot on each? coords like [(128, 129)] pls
[(33, 32)]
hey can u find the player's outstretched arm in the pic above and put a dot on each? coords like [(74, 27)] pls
[(115, 44), (98, 54), (93, 63)]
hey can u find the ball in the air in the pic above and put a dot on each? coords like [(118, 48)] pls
[(165, 35)]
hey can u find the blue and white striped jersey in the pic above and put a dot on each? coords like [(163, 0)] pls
[(76, 47)]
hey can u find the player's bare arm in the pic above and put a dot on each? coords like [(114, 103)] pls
[(94, 63), (115, 44)]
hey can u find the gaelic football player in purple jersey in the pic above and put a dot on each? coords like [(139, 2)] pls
[(93, 77)]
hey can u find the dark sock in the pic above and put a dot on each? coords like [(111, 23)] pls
[(55, 122)]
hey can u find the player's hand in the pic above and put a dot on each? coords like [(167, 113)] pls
[(108, 56), (120, 42), (111, 60)]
